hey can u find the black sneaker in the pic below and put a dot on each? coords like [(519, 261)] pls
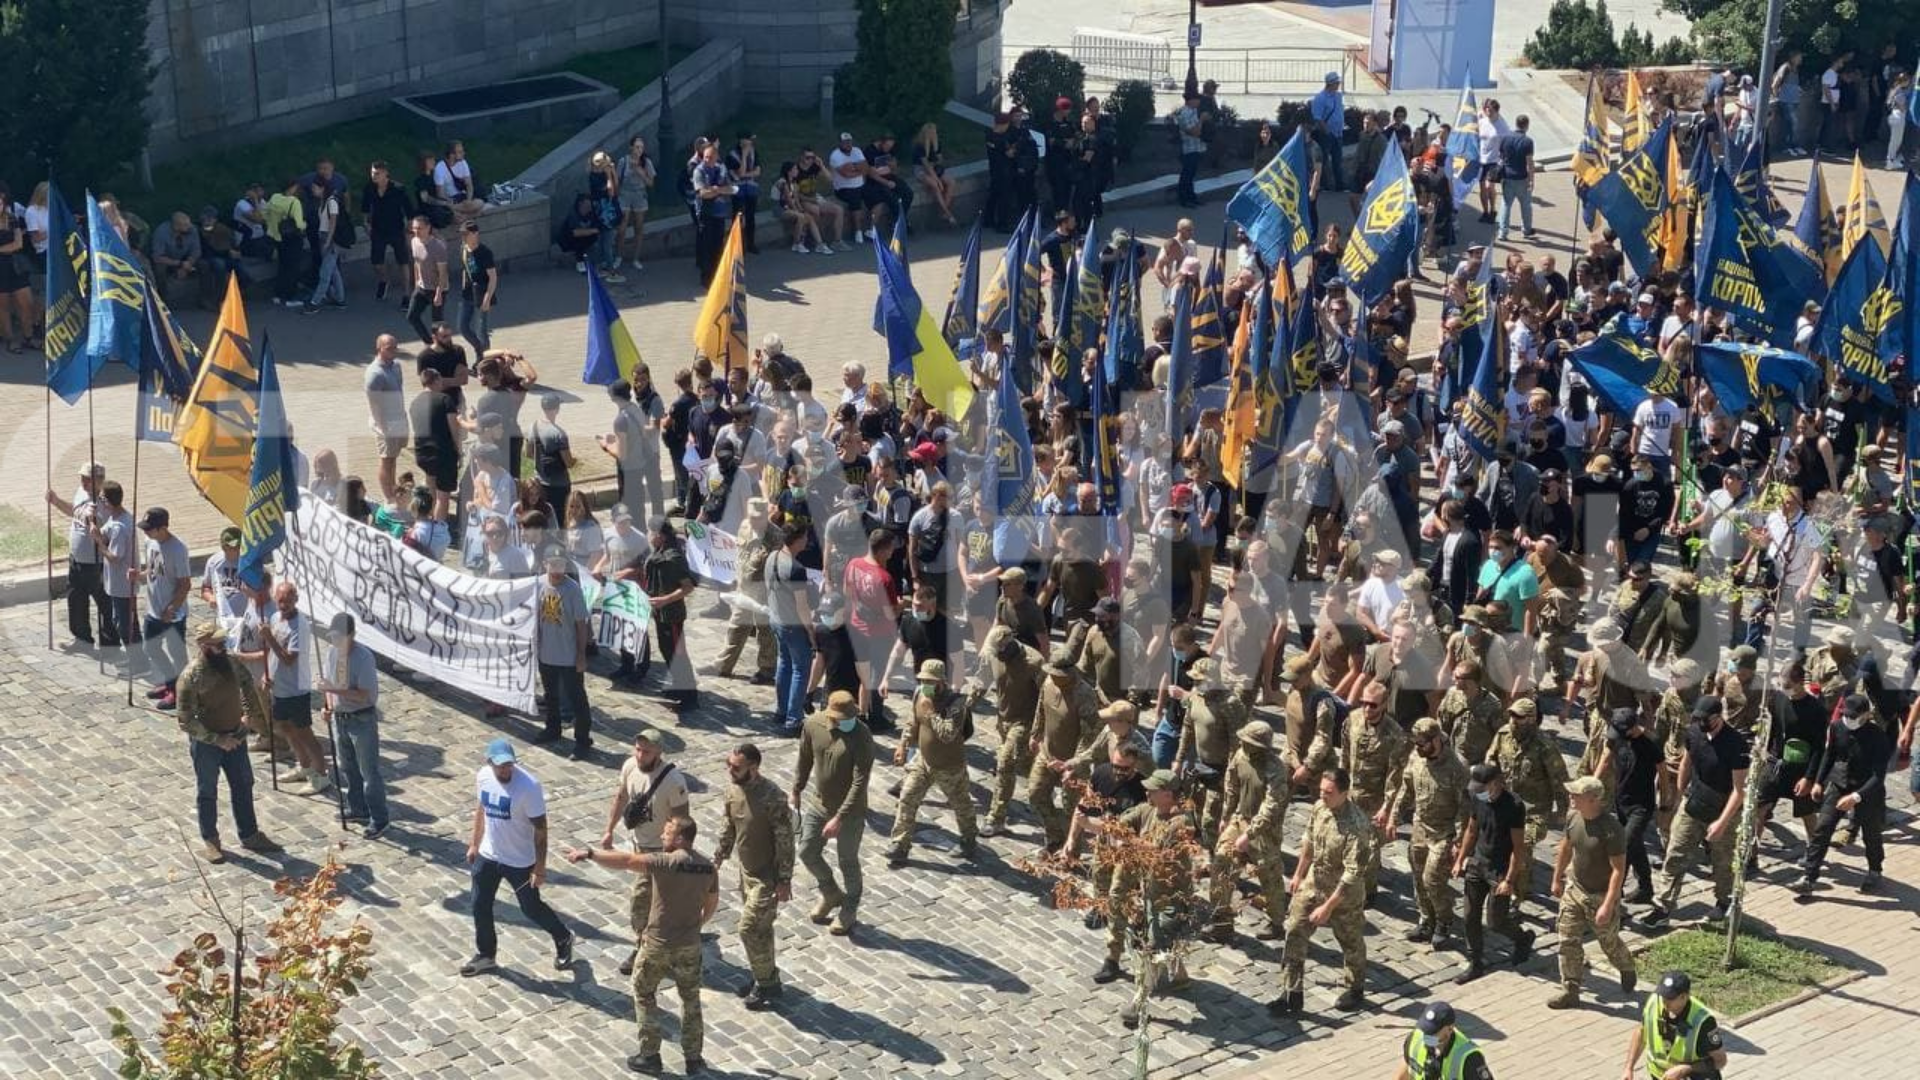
[(581, 751), (1657, 917), (1352, 1001), (1628, 980), (1523, 948), (648, 1064), (310, 309), (380, 291), (896, 859), (626, 966), (374, 832), (1287, 1004), (1421, 934), (694, 1066), (563, 954), (478, 965), (546, 737), (761, 998), (1641, 896), (1870, 882), (1474, 971)]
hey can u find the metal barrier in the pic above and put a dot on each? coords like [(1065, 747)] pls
[(1110, 56)]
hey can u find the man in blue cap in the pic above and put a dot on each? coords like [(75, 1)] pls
[(509, 843), (1676, 1031), (1437, 1050)]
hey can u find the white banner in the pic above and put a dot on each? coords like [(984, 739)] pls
[(473, 634), (712, 554), (620, 614)]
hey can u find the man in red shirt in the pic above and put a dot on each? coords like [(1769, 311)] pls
[(873, 611)]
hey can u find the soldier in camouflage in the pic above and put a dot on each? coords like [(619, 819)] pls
[(1375, 754), (1670, 718), (1121, 727), (1739, 686), (1016, 672), (940, 724), (759, 828), (1326, 892), (1536, 772), (1435, 785), (1832, 667), (1253, 808), (1562, 582), (1110, 654), (1470, 713), (1312, 717), (1160, 822), (1069, 718), (1214, 716)]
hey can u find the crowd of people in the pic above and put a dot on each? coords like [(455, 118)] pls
[(1383, 626)]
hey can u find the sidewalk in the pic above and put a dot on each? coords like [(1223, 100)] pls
[(1857, 1030)]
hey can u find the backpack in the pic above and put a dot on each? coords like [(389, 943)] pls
[(343, 233)]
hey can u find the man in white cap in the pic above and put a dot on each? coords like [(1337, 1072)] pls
[(848, 166), (85, 566)]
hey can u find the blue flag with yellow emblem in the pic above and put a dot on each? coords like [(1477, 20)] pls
[(272, 490), (1633, 196), (1903, 269), (1861, 328), (961, 327), (1077, 324), (169, 362), (1623, 372), (1741, 268), (1463, 144), (1742, 375), (1273, 206), (1179, 388), (69, 369), (1483, 420), (1126, 339), (1209, 330), (117, 296), (1009, 448), (1384, 235)]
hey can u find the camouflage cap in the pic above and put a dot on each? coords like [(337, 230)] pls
[(1121, 710), (1604, 632), (1586, 787), (1745, 656), (1685, 671), (1258, 733), (1523, 707), (1160, 780), (1418, 581), (1201, 670), (1297, 666), (1475, 614), (1426, 728), (1060, 661)]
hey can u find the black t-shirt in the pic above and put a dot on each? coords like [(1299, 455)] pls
[(1610, 263), (1753, 436), (447, 361), (838, 669), (1494, 822), (1516, 154), (550, 446), (929, 640), (475, 263), (1118, 794), (386, 214), (1636, 762), (1715, 759), (432, 415), (1840, 422), (679, 423), (1054, 248), (666, 571), (1645, 506)]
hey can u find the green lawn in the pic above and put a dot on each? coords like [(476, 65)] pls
[(780, 133), (218, 177), (23, 536), (1766, 970)]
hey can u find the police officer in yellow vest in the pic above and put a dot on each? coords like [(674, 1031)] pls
[(1681, 1037), (1437, 1051)]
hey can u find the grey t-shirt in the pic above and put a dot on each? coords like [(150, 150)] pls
[(118, 534), (932, 532), (550, 446), (79, 539), (357, 672), (561, 609), (290, 678), (386, 398), (630, 426), (786, 583), (167, 566)]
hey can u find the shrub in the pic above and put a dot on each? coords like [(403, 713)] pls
[(1041, 75), (1579, 36), (1130, 105), (75, 98), (901, 70)]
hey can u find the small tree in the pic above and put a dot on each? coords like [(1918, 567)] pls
[(1576, 35), (75, 96), (902, 69), (1040, 76), (274, 1021), (1131, 107)]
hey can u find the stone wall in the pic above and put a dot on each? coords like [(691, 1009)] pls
[(240, 70)]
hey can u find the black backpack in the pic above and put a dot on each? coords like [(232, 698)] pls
[(343, 233)]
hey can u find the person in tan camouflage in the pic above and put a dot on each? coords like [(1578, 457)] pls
[(1375, 755), (939, 727), (1470, 713), (1435, 785), (749, 621), (1588, 875), (1669, 732), (1475, 641), (1016, 670), (1253, 810), (759, 828), (1326, 892), (1535, 771), (1612, 677), (1562, 584), (1738, 686), (1214, 716), (1832, 667), (1110, 654), (1143, 901), (1069, 718), (1312, 719)]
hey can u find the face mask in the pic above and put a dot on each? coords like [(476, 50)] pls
[(848, 723), (1538, 444), (1478, 791), (708, 401), (1643, 475), (924, 616), (1432, 1041), (1502, 556), (797, 492), (1854, 723)]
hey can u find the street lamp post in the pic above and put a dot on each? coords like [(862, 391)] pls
[(1193, 43), (1763, 82), (665, 152)]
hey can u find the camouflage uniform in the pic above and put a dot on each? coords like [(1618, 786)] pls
[(1166, 892), (1253, 803), (1016, 682), (759, 825), (1376, 757), (1437, 789), (1561, 583), (1670, 719), (1336, 854), (1470, 722), (1537, 773), (1580, 906), (940, 731), (1112, 662), (1741, 694), (1832, 667), (668, 954), (1068, 720), (1214, 719), (1312, 719)]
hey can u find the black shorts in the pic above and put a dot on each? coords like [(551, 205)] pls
[(296, 711), (877, 194), (853, 198), (442, 469), (379, 243)]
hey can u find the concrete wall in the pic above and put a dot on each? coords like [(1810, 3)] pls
[(240, 70)]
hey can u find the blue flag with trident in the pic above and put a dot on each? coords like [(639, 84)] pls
[(118, 295), (1386, 231), (272, 493), (1273, 206)]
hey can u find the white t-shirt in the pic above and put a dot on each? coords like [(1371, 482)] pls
[(508, 811), (118, 534), (1379, 597), (1492, 130), (222, 579), (250, 229), (841, 157), (290, 678), (37, 223), (1806, 545), (444, 176), (1656, 419), (1726, 533), (1830, 87)]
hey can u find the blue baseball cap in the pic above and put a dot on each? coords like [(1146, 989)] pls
[(500, 752)]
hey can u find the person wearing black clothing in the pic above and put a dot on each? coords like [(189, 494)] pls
[(743, 166), (1091, 168), (1455, 568), (1841, 418), (707, 420), (1063, 129), (1496, 829), (1056, 247), (1713, 778), (386, 209), (447, 358), (679, 429), (926, 633), (1797, 741), (839, 667), (1633, 759), (435, 414), (1646, 502), (713, 193), (669, 582), (1549, 513), (1754, 434), (1851, 779), (1000, 215)]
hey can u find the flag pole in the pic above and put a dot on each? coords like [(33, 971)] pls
[(49, 478), (136, 503), (1573, 234)]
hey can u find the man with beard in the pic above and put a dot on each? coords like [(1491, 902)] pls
[(1435, 785), (1016, 671), (215, 694), (1536, 773), (1376, 756), (1108, 652), (1253, 803), (1470, 713), (1713, 779), (759, 829)]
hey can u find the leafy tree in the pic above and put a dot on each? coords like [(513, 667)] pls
[(242, 1014), (75, 95), (1131, 107), (1730, 29), (902, 68), (1579, 36), (1040, 76)]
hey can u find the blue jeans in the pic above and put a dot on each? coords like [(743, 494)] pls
[(1189, 166), (1784, 112), (209, 761), (359, 755), (473, 325), (603, 249), (165, 645), (328, 284), (1166, 741), (120, 608), (1511, 191), (1330, 147), (795, 659), (1643, 550)]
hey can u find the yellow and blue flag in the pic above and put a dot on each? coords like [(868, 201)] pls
[(70, 371), (720, 330), (1862, 327), (1817, 227), (215, 430), (1272, 381), (1077, 323), (1483, 421), (1913, 453), (1633, 197), (1634, 131), (611, 353), (117, 294), (1209, 333), (273, 492), (1463, 144), (1242, 413), (1623, 372), (1103, 455), (1863, 217), (1384, 235), (1749, 174), (915, 347), (1126, 338), (1903, 269), (1027, 305), (1179, 388), (897, 240), (1743, 268), (1300, 340), (997, 303), (1273, 206), (1009, 447), (169, 361), (1592, 159), (1676, 221), (962, 328), (1742, 375)]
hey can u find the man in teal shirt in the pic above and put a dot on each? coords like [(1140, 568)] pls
[(1507, 578)]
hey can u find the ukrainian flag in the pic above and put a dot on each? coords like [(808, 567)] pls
[(720, 333), (611, 353), (914, 341), (216, 428)]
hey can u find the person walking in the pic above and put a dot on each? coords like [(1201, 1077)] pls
[(1588, 876), (685, 887), (649, 791), (790, 613), (836, 753), (1489, 860), (939, 727), (1434, 783), (352, 699), (1328, 108), (509, 843), (1516, 178), (216, 696), (1680, 1036), (288, 637), (86, 589), (562, 635), (759, 829), (668, 582), (1712, 785), (1850, 778), (1327, 892), (1436, 1050), (166, 573)]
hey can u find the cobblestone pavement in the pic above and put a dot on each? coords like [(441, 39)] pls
[(958, 971)]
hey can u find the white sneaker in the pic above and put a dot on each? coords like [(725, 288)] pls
[(873, 234), (823, 249), (297, 775), (580, 267), (859, 237), (799, 249), (636, 266), (317, 783)]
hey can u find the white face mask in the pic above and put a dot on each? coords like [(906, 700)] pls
[(1854, 723)]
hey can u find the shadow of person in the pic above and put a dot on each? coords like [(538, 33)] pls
[(960, 967), (826, 1020)]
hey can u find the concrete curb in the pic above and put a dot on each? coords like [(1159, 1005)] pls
[(1803, 996)]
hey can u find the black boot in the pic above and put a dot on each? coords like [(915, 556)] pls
[(1109, 972)]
